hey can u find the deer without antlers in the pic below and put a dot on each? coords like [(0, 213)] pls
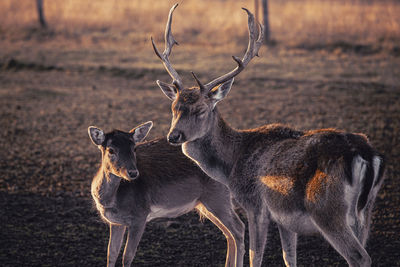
[(322, 181), (138, 182)]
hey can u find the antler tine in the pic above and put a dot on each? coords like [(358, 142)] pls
[(260, 39), (169, 43), (201, 86), (252, 51), (169, 38)]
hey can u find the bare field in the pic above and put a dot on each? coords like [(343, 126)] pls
[(55, 83)]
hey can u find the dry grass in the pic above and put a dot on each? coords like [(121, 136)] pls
[(330, 21), (209, 22)]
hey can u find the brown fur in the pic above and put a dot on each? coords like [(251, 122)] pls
[(169, 185)]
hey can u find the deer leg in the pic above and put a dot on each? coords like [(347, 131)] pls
[(226, 219), (366, 214), (114, 243), (366, 222), (342, 238), (258, 231), (289, 243), (359, 222), (135, 233)]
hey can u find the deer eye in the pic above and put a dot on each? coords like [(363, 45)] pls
[(200, 114)]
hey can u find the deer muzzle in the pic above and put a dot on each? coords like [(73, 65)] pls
[(176, 137), (132, 174)]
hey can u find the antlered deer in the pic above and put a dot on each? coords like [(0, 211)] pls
[(137, 183), (323, 181)]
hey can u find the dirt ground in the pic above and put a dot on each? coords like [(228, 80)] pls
[(49, 95)]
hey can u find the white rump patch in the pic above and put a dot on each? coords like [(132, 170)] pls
[(358, 169), (376, 163), (352, 193)]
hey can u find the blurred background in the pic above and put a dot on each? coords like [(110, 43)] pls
[(326, 63), (292, 23)]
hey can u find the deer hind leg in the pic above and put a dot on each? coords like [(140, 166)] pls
[(289, 244), (226, 219), (258, 231), (366, 215), (364, 218), (355, 220), (342, 238), (359, 217), (359, 223)]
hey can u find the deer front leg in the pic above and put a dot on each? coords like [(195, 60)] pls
[(289, 244), (342, 238), (135, 233), (258, 231), (114, 243)]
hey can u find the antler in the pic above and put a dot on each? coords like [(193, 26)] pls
[(169, 43), (252, 51)]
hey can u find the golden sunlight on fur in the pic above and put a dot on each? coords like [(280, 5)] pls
[(231, 243), (314, 186), (279, 184)]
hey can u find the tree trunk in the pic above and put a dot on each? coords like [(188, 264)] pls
[(42, 21), (267, 33), (256, 9)]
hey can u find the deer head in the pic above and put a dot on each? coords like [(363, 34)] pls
[(118, 149), (193, 109)]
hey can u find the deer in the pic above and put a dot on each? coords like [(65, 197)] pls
[(322, 181), (140, 181)]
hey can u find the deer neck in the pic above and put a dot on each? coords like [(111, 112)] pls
[(215, 152), (104, 189)]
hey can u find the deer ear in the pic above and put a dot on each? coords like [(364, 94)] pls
[(168, 89), (96, 135), (219, 92), (141, 131)]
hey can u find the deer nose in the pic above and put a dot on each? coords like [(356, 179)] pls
[(175, 137), (133, 174)]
